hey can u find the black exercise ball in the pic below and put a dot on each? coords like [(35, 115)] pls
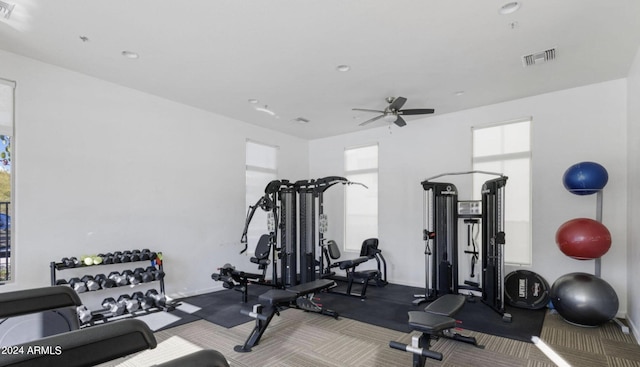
[(584, 299)]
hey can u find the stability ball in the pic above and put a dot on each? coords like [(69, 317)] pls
[(584, 299), (583, 239), (585, 178)]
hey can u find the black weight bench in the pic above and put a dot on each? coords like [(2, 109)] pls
[(77, 347), (98, 344), (435, 321), (273, 301)]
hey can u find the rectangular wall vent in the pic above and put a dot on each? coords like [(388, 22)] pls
[(539, 57), (301, 120)]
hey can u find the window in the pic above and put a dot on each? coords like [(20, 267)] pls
[(506, 148), (6, 174), (261, 168), (361, 205)]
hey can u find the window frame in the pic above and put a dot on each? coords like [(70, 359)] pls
[(501, 158), (258, 226), (10, 131), (356, 245)]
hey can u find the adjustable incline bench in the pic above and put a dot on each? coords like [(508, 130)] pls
[(436, 321), (273, 301)]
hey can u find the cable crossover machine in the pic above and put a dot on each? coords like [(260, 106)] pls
[(442, 212)]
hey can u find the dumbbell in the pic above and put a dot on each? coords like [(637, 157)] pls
[(106, 258), (78, 285), (145, 302), (144, 254), (147, 254), (91, 260), (135, 255), (125, 257), (104, 281), (84, 315), (145, 276), (133, 279), (117, 257), (131, 305), (113, 307), (159, 300), (70, 262), (120, 280), (157, 274), (92, 284)]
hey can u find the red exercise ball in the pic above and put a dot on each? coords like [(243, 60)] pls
[(583, 239)]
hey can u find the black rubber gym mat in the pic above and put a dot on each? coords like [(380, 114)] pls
[(388, 307), (384, 306), (480, 317), (223, 307)]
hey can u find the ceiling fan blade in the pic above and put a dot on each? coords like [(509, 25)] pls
[(367, 110), (397, 103), (416, 111), (371, 120), (400, 122)]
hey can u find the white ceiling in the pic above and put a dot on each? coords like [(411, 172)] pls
[(216, 55)]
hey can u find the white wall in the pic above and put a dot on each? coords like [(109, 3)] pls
[(101, 168), (586, 123), (633, 166)]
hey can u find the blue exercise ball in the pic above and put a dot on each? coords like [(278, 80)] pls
[(585, 178), (584, 299)]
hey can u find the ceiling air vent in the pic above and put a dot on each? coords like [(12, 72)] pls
[(539, 57), (301, 120)]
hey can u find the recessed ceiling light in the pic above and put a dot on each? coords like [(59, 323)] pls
[(266, 110), (458, 93), (510, 7), (343, 68), (130, 54), (253, 101)]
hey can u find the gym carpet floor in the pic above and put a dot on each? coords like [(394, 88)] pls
[(300, 339)]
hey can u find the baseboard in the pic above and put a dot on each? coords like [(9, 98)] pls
[(634, 329)]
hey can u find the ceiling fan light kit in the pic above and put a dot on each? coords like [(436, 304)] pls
[(510, 7)]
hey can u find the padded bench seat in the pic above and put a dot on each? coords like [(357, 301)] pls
[(276, 296), (447, 305), (310, 287), (429, 323), (436, 321), (201, 358)]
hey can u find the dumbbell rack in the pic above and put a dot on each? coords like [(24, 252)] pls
[(100, 318)]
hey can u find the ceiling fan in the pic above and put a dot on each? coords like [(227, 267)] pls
[(393, 112)]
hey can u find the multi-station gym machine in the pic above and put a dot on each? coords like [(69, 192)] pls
[(295, 224), (442, 214), (299, 244)]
